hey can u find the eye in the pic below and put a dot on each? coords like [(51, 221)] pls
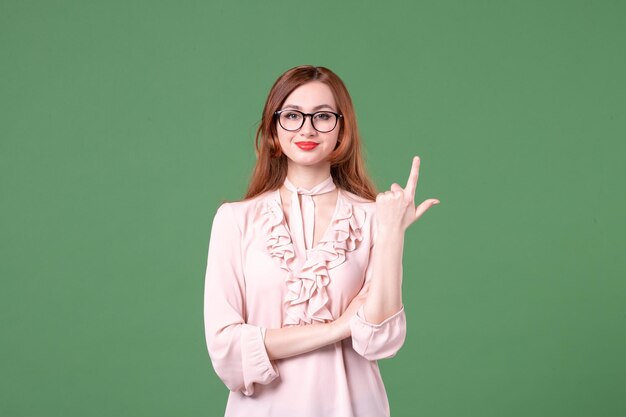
[(323, 116), (291, 115)]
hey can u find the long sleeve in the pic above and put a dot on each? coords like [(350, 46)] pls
[(377, 341), (237, 349)]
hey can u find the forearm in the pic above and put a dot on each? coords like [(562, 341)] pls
[(294, 340), (385, 292)]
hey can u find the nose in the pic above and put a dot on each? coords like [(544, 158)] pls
[(307, 128)]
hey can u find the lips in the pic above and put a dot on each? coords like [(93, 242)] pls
[(307, 146)]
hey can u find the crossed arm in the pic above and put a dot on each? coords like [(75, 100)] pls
[(381, 297)]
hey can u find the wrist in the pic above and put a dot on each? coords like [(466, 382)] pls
[(389, 233), (340, 329)]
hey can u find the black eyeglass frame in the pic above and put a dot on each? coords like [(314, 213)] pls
[(304, 115)]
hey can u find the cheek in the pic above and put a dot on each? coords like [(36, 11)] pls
[(284, 141), (284, 138)]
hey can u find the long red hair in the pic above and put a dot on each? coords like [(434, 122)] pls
[(346, 163)]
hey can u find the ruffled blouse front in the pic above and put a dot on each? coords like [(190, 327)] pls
[(257, 278), (307, 299)]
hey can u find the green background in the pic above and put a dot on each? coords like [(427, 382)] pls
[(124, 125)]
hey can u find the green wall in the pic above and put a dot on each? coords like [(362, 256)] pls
[(124, 124)]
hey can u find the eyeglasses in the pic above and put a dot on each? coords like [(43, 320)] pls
[(322, 121)]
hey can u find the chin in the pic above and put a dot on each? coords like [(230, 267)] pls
[(299, 160)]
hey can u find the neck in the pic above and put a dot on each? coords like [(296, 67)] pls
[(307, 176)]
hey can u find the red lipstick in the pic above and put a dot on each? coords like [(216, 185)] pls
[(307, 146)]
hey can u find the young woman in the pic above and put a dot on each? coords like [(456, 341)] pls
[(303, 281)]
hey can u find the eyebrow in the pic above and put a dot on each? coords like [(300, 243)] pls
[(314, 108)]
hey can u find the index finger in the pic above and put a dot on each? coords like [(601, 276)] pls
[(411, 183)]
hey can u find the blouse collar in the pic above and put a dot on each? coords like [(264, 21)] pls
[(302, 218)]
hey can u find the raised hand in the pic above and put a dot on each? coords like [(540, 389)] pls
[(395, 208)]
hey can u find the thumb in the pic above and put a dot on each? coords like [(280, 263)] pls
[(421, 209)]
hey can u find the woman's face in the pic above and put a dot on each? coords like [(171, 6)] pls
[(309, 98)]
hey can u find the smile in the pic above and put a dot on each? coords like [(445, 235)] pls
[(307, 146)]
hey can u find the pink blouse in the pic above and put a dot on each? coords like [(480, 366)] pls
[(257, 278)]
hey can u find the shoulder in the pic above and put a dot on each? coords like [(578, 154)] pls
[(242, 211), (363, 210), (368, 205)]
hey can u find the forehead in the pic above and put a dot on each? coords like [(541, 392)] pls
[(311, 94)]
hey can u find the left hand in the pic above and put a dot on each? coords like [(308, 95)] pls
[(395, 209)]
